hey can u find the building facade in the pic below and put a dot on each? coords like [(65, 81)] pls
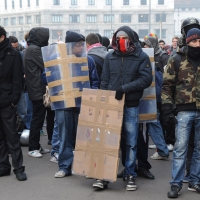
[(184, 9), (85, 16)]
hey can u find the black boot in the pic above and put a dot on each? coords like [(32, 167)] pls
[(121, 174), (141, 171), (20, 175), (4, 171)]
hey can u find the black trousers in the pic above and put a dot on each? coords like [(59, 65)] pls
[(9, 139), (142, 149), (50, 122), (37, 121)]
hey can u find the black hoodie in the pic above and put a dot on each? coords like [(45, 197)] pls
[(33, 62), (131, 71)]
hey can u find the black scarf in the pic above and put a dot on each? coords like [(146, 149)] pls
[(194, 56), (3, 46)]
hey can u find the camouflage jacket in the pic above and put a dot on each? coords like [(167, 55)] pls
[(181, 84)]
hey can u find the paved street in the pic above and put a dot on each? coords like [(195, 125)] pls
[(41, 184)]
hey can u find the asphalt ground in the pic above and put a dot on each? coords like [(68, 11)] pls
[(41, 184)]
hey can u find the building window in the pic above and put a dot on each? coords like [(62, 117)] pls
[(143, 2), (108, 18), (108, 33), (157, 32), (37, 2), (87, 32), (73, 2), (161, 2), (13, 4), (160, 17), (5, 4), (57, 18), (13, 21), (143, 18), (143, 32), (28, 3), (56, 2), (57, 35), (125, 2), (91, 2), (5, 21), (28, 19), (21, 20), (20, 3), (74, 18), (21, 35), (125, 18), (37, 19), (108, 2), (91, 18), (13, 33)]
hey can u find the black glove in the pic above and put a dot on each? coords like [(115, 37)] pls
[(119, 93), (168, 115)]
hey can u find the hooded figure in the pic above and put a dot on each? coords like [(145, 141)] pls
[(127, 70), (33, 67)]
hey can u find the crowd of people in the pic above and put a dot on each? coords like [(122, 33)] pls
[(121, 66)]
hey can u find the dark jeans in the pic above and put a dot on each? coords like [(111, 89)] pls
[(9, 139), (36, 124), (50, 122), (190, 150), (67, 126), (142, 149)]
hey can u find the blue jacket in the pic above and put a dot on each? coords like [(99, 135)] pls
[(131, 71)]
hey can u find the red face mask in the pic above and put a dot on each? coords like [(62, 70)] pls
[(123, 45)]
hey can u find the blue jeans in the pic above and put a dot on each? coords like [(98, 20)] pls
[(130, 129), (67, 126), (55, 139), (29, 114), (156, 132), (21, 108), (185, 121)]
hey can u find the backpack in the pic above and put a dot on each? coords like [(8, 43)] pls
[(99, 65)]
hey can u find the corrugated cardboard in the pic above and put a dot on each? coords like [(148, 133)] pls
[(98, 135)]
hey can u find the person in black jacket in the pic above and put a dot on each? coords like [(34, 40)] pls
[(127, 70), (33, 67), (10, 91)]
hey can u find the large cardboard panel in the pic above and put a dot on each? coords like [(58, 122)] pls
[(98, 135)]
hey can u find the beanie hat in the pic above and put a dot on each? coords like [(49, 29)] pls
[(192, 34), (150, 35), (122, 33), (72, 36)]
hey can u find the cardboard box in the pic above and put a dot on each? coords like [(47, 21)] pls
[(98, 135)]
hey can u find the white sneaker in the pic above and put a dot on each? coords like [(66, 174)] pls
[(35, 154), (156, 156), (170, 147), (60, 174), (153, 146), (54, 158), (43, 150)]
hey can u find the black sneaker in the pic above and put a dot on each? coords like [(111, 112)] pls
[(121, 174), (194, 188), (174, 191), (20, 175), (99, 184), (130, 183)]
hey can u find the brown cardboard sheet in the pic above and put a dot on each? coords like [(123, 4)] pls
[(98, 135)]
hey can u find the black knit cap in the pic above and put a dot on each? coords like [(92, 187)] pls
[(72, 36)]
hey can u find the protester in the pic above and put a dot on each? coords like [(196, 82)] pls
[(127, 70), (161, 44), (34, 66), (181, 74), (10, 90)]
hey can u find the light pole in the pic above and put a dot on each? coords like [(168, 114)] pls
[(149, 16), (111, 18)]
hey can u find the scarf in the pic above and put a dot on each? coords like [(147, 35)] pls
[(94, 45)]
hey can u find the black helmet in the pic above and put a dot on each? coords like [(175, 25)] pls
[(191, 22)]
